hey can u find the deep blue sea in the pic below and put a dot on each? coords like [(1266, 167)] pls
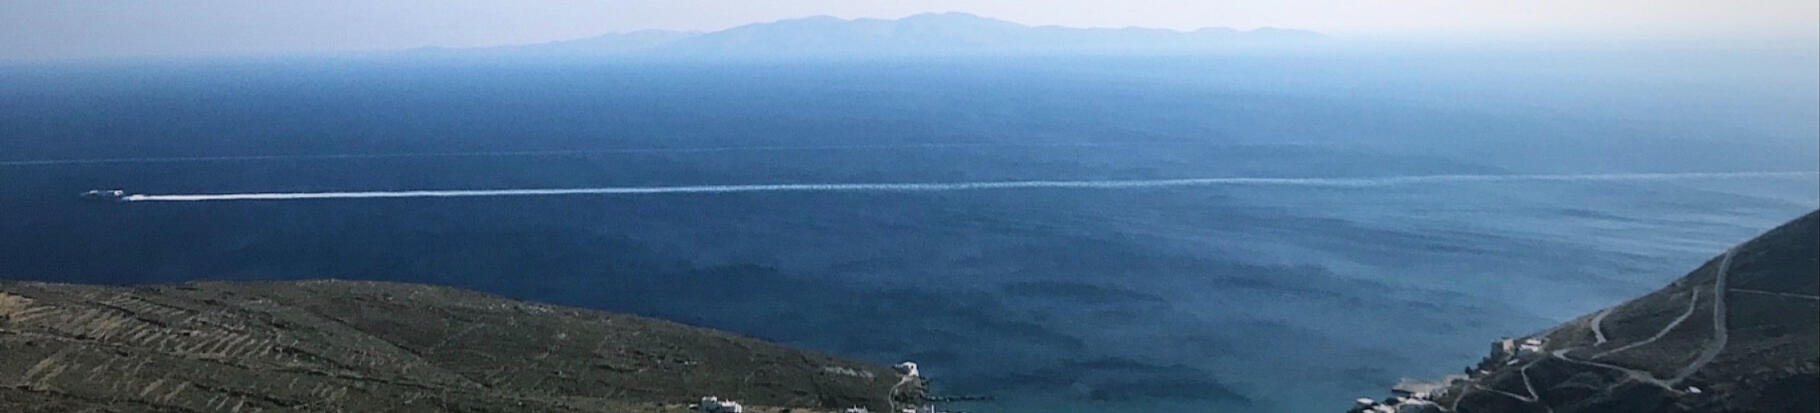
[(1256, 298)]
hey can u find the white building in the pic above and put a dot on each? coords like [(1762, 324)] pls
[(713, 404)]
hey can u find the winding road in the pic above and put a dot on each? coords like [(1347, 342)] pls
[(1693, 303), (1715, 345), (1598, 325), (1721, 335)]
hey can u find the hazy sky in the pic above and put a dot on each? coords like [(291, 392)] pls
[(78, 28)]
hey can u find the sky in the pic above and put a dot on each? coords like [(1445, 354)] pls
[(35, 29)]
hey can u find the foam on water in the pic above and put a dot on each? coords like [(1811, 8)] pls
[(582, 152), (966, 186)]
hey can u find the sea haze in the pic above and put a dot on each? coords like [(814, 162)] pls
[(1204, 298)]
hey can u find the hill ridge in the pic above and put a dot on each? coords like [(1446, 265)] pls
[(370, 346), (1739, 333)]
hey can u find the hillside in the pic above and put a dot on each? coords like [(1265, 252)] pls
[(1739, 334), (368, 346)]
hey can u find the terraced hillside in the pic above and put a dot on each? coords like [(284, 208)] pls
[(366, 346), (1739, 334)]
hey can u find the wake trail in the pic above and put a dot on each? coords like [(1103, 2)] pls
[(969, 186), (406, 155)]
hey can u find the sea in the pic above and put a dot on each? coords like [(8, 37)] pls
[(1240, 232)]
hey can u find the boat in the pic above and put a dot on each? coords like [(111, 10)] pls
[(115, 195)]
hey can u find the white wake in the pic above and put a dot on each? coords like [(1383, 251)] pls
[(492, 154), (967, 186)]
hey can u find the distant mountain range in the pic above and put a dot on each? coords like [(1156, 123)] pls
[(918, 35)]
